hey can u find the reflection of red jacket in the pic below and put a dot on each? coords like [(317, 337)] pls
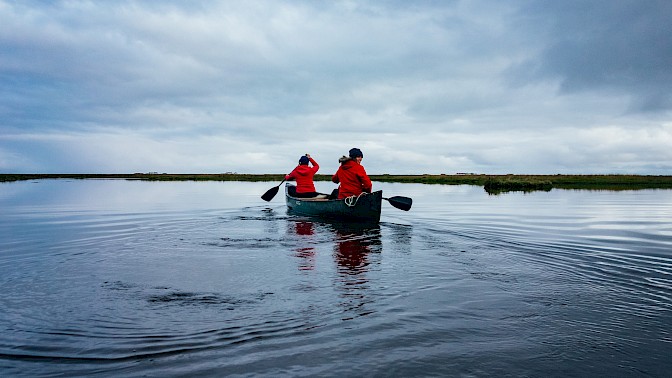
[(303, 175), (353, 179)]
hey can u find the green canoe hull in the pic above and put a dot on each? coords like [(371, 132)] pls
[(366, 208)]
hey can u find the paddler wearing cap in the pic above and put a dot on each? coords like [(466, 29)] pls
[(303, 174), (351, 175)]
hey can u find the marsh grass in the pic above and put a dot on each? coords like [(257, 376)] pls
[(491, 183), (503, 183), (509, 184)]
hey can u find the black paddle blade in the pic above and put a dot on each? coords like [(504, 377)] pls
[(270, 193), (402, 203)]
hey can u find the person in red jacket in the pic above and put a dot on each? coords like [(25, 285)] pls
[(351, 175), (303, 174)]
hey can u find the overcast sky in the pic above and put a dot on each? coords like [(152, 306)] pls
[(485, 86)]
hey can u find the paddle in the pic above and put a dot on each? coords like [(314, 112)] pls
[(402, 203), (270, 193)]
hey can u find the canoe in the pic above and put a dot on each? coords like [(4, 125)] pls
[(364, 208)]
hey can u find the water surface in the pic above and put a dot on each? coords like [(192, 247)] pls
[(131, 278)]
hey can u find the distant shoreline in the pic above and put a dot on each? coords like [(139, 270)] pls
[(491, 183)]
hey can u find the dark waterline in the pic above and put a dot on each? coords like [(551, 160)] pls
[(124, 278)]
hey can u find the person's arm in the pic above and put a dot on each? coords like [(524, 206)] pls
[(291, 176), (365, 181), (316, 166), (334, 178)]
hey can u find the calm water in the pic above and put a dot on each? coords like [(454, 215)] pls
[(123, 278)]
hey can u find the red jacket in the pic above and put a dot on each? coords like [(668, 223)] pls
[(303, 175), (353, 179)]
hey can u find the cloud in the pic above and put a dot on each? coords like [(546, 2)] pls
[(607, 46), (423, 87)]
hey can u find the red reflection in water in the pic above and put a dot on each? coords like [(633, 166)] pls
[(304, 228), (351, 252), (305, 254), (353, 248)]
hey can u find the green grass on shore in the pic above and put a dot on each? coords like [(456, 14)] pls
[(491, 183)]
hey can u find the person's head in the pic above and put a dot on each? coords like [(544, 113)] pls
[(356, 154), (303, 160)]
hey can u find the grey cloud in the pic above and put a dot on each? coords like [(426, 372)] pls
[(613, 46), (431, 86)]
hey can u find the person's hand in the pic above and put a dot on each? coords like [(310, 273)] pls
[(308, 156)]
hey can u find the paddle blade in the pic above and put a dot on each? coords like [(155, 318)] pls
[(402, 203), (270, 193)]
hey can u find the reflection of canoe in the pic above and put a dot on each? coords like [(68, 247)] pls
[(363, 208)]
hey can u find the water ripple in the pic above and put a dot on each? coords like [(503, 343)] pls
[(552, 284)]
